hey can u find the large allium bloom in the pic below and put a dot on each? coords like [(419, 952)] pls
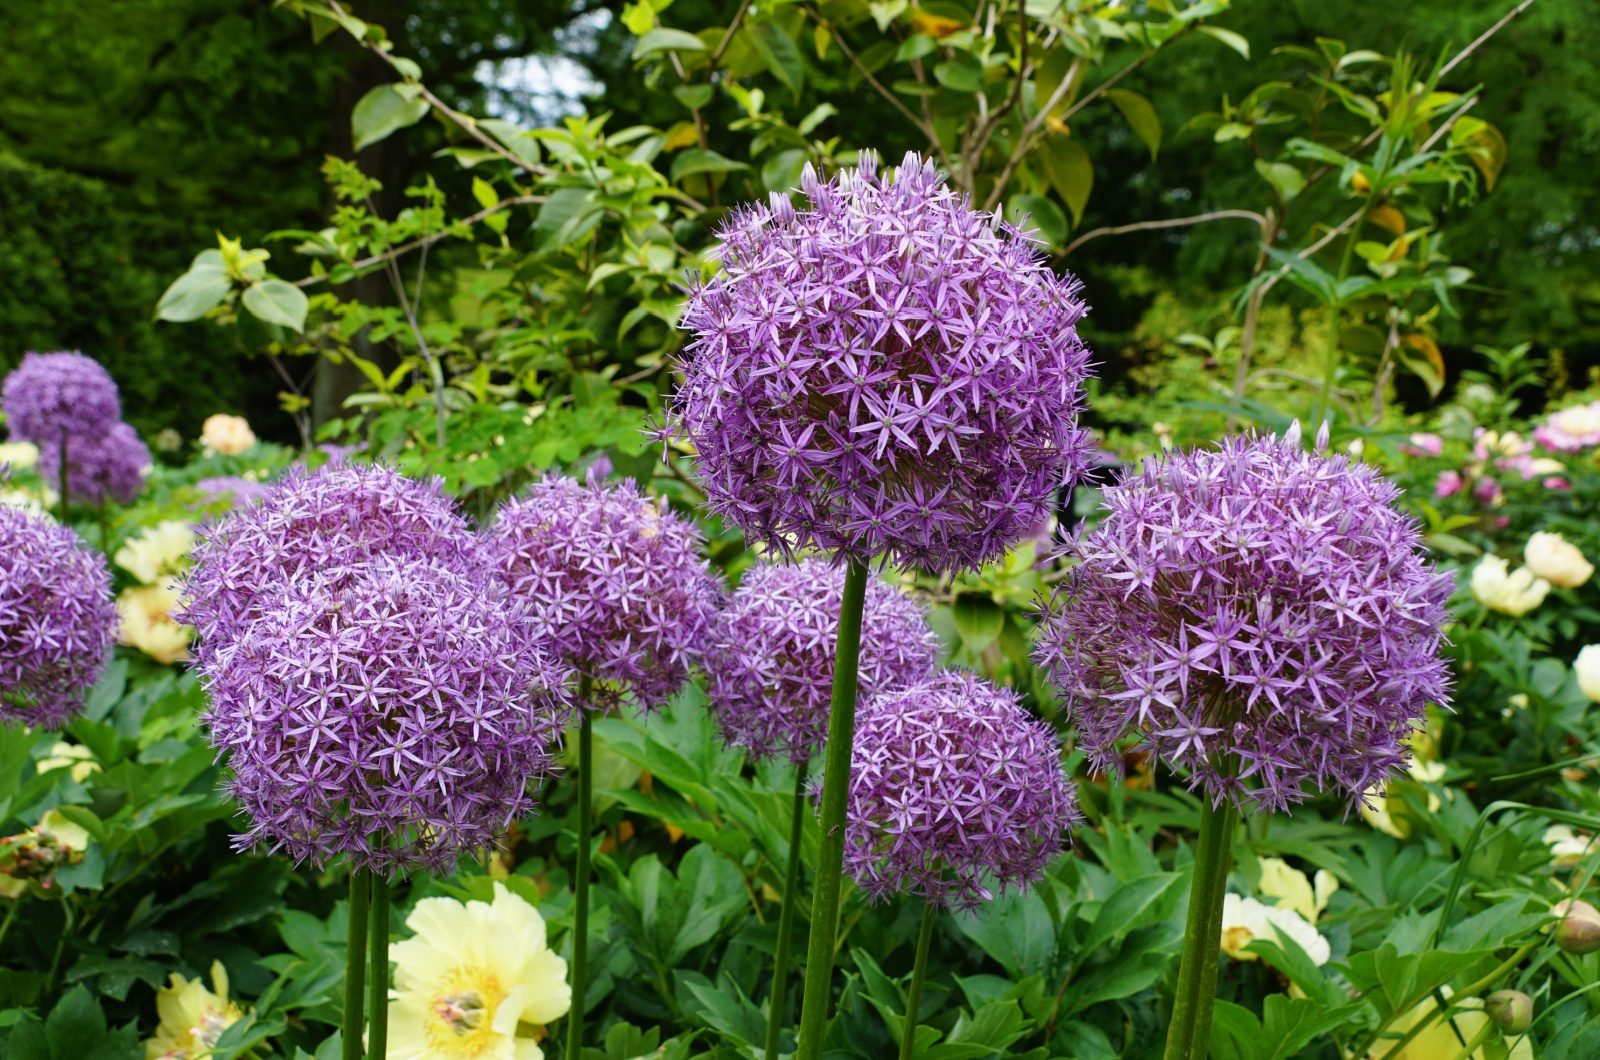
[(108, 467), (1259, 614), (887, 371), (769, 657), (613, 582), (954, 788), (56, 395), (391, 710), (56, 619), (307, 520)]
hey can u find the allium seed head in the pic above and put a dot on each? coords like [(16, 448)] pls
[(1258, 614), (613, 583), (108, 467), (954, 787), (56, 619), (308, 520), (769, 657), (389, 709), (886, 372), (56, 395)]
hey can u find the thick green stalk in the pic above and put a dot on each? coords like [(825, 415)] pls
[(835, 788), (62, 501), (580, 909), (791, 894), (908, 1036), (355, 962), (1189, 1034), (378, 1019)]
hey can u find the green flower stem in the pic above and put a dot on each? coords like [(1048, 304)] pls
[(11, 914), (62, 501), (355, 962), (580, 909), (1189, 1034), (908, 1036), (835, 788), (791, 894), (378, 1020)]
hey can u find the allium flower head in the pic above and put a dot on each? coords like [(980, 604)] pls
[(886, 371), (108, 467), (769, 657), (390, 709), (307, 520), (56, 395), (56, 619), (953, 787), (1259, 614), (613, 582)]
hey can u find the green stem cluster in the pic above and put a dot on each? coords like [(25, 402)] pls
[(919, 971), (791, 894), (580, 910), (367, 948), (1189, 1034)]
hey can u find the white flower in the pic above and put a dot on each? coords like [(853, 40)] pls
[(158, 550), (1557, 561), (228, 435), (192, 1017), (1244, 920), (1294, 890), (472, 976), (1587, 667), (1568, 848), (70, 756), (144, 621), (1515, 593), (20, 455)]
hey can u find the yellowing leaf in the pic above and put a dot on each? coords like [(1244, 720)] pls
[(1484, 144), (681, 135), (934, 25), (1428, 348), (1388, 218)]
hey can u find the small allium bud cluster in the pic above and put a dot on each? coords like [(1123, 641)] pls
[(56, 619), (1257, 614), (770, 655), (67, 399), (885, 372), (614, 584), (954, 788)]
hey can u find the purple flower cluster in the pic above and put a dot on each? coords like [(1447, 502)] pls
[(390, 709), (885, 372), (954, 788), (67, 400), (613, 582), (343, 513), (56, 619), (1257, 614), (769, 657)]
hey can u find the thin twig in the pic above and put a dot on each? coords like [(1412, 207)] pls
[(733, 27), (1441, 130), (416, 244), (1171, 222), (1484, 36), (838, 39)]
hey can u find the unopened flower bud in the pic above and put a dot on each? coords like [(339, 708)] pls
[(1579, 929), (1511, 1010)]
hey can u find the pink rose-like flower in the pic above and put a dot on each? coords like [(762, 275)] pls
[(1448, 484), (1555, 482), (1423, 445), (1571, 429), (1488, 491)]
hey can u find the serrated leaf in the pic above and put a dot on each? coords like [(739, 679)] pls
[(1141, 117), (383, 111), (277, 302)]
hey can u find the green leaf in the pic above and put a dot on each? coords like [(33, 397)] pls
[(640, 18), (915, 47), (1287, 180), (1141, 117), (978, 620), (779, 51), (484, 192), (1055, 67), (1228, 37), (384, 110), (1235, 1033), (277, 302), (1016, 931), (694, 160), (193, 295), (516, 140), (75, 1026), (1070, 172), (563, 217), (1044, 216), (964, 73), (84, 818), (693, 96), (1116, 980), (664, 40), (1125, 908)]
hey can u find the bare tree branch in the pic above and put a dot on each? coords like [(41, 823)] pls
[(1171, 222)]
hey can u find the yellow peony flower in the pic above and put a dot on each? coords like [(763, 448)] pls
[(70, 755), (1556, 560), (228, 435), (192, 1017), (69, 838), (1511, 592), (144, 621), (1294, 891), (475, 982), (1443, 1042), (158, 551), (1244, 920)]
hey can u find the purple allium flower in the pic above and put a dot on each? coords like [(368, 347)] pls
[(613, 583), (56, 619), (886, 372), (769, 657), (391, 710), (1259, 614), (56, 395), (109, 467), (308, 520), (954, 786), (231, 489)]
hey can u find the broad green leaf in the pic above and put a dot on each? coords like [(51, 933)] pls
[(1016, 931), (1141, 117), (484, 192), (277, 302), (640, 18), (1056, 66), (385, 110), (978, 620), (779, 52), (1043, 216), (194, 294), (563, 217), (1287, 180), (693, 96), (1228, 37), (1235, 1033), (1125, 908), (1070, 172), (516, 140), (1115, 980), (964, 73), (696, 160), (663, 40)]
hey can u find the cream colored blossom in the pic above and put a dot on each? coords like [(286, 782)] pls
[(1442, 1041), (1514, 593), (1244, 920), (20, 455), (70, 755), (1294, 890), (1375, 810), (1567, 847), (473, 979), (228, 435), (157, 551), (1587, 668), (192, 1017), (144, 621), (69, 837), (1556, 560)]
